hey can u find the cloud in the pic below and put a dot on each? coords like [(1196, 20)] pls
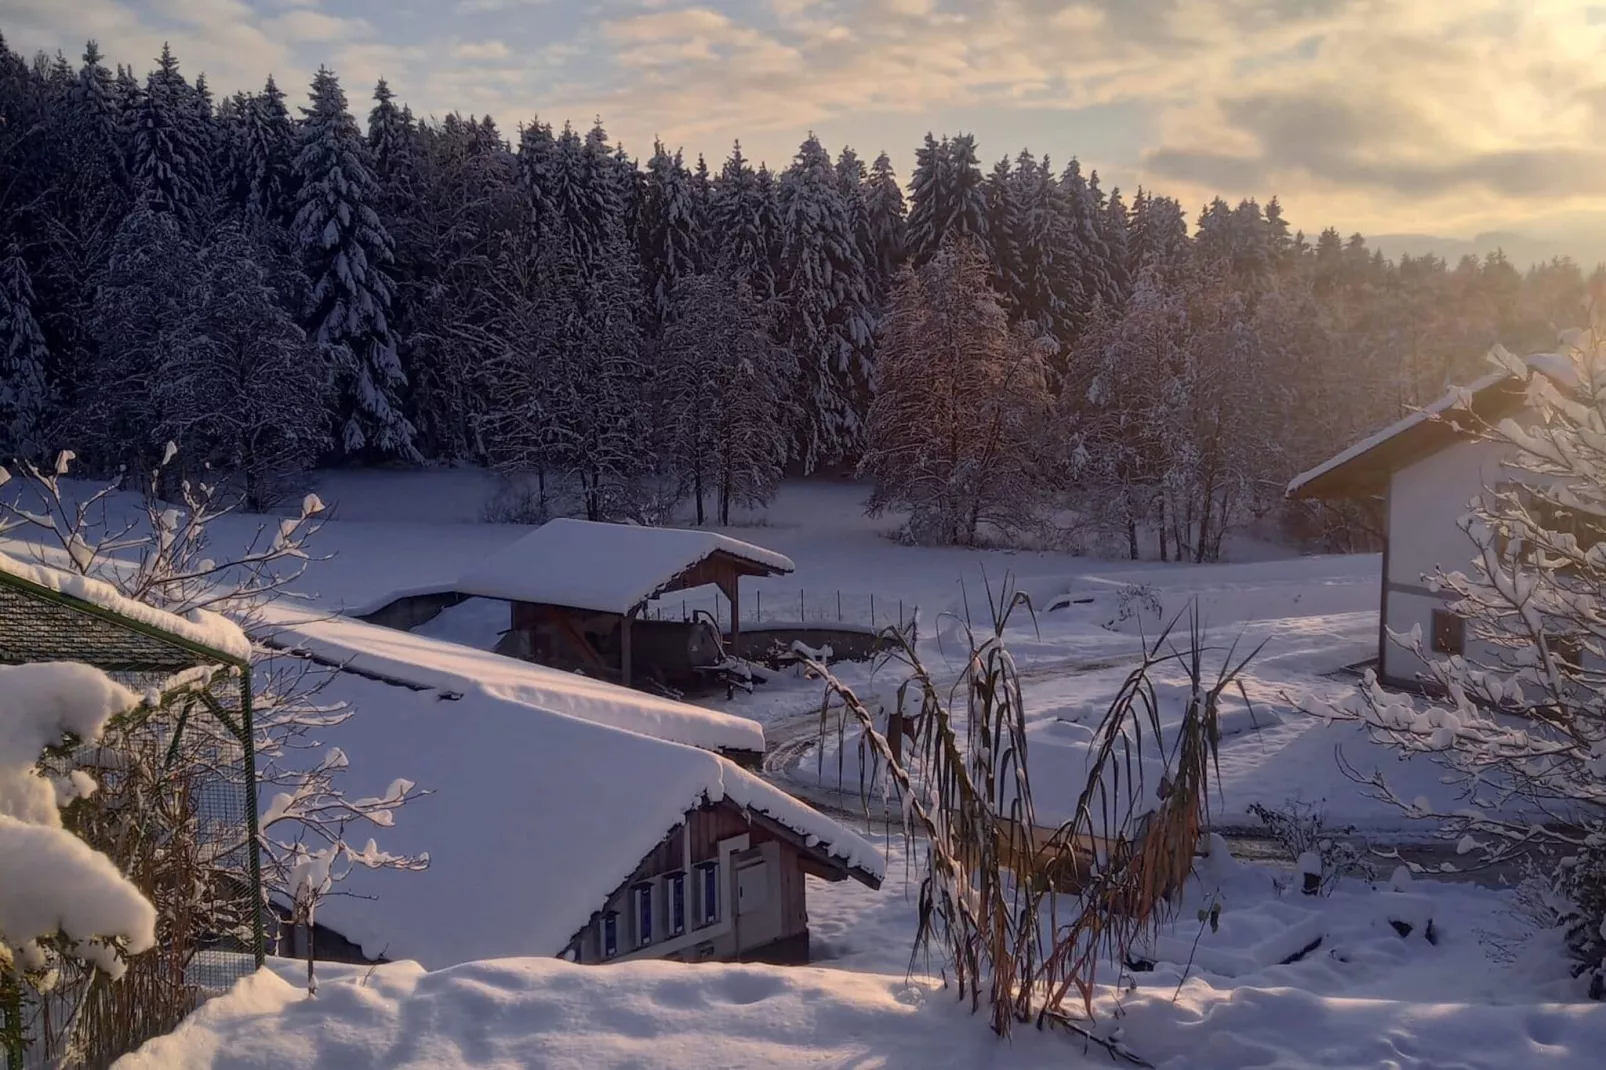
[(303, 24), (483, 7), (1394, 113), (481, 50), (1448, 109)]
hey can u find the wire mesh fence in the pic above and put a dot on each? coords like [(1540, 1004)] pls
[(773, 606), (174, 809)]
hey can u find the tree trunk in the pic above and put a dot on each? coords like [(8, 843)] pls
[(697, 490)]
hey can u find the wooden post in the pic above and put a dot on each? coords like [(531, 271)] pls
[(734, 597), (624, 646)]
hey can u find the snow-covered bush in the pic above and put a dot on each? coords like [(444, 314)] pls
[(1521, 726), (1321, 855), (1581, 883), (64, 906)]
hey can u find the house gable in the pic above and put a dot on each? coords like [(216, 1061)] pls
[(687, 889)]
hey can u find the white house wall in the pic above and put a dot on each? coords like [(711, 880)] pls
[(1426, 501)]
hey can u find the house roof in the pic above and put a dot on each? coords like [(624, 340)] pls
[(535, 819), (48, 614), (415, 661), (1364, 468), (610, 568)]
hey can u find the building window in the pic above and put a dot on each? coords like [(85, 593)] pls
[(677, 904), (709, 872), (643, 894), (610, 934), (1449, 633)]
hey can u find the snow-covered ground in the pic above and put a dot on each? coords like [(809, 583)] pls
[(1359, 995), (1363, 996)]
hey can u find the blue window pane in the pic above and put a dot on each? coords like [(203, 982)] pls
[(610, 935), (710, 894), (677, 905), (644, 915)]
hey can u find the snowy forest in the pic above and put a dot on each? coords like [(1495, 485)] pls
[(275, 285)]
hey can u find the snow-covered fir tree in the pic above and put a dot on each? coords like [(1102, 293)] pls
[(1093, 264), (1114, 226), (743, 246), (947, 195), (884, 204), (171, 163), (826, 316), (269, 148), (346, 250), (668, 231), (1159, 237), (1004, 228), (24, 395), (1051, 300)]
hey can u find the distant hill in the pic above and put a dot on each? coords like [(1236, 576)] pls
[(1586, 247)]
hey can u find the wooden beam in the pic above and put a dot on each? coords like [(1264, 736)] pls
[(565, 626), (729, 583), (624, 647)]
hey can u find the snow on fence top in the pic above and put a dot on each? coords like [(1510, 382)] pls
[(535, 819), (610, 568), (1555, 366), (434, 663), (198, 627)]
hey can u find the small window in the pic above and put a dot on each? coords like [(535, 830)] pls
[(677, 904), (610, 934), (710, 887), (1449, 633), (1568, 649), (643, 914)]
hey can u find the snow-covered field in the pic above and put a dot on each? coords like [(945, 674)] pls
[(1363, 996)]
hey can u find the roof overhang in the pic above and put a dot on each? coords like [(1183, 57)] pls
[(1363, 470)]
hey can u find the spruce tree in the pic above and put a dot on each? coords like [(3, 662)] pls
[(826, 321), (269, 146), (1004, 226), (1115, 229), (947, 195), (171, 158), (1092, 260), (883, 203), (1052, 300), (346, 250), (668, 232), (24, 398)]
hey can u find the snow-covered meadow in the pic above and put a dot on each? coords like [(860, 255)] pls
[(1358, 993)]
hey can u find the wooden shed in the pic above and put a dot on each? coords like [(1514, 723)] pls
[(578, 589)]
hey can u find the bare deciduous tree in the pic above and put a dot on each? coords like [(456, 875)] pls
[(957, 428)]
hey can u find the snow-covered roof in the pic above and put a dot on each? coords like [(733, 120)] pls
[(611, 568), (198, 627), (434, 663), (1365, 452), (536, 818)]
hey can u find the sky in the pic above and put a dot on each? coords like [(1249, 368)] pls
[(1448, 117)]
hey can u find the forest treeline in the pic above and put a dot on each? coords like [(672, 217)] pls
[(275, 285)]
